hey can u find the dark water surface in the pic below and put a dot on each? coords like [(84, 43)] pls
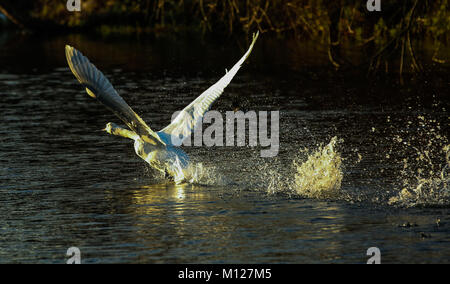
[(64, 183)]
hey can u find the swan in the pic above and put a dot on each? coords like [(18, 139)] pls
[(159, 149)]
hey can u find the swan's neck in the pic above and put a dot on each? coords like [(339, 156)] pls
[(119, 131)]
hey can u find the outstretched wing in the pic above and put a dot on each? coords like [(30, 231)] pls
[(98, 86), (183, 124)]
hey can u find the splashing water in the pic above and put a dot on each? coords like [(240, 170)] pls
[(317, 174), (200, 174), (433, 190), (313, 174), (425, 179), (321, 175)]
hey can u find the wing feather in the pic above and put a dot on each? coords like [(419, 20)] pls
[(184, 123), (99, 87)]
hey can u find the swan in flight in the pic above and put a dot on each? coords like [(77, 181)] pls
[(159, 149)]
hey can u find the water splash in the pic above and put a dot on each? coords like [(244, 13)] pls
[(198, 173), (313, 174), (320, 176), (427, 191), (426, 162)]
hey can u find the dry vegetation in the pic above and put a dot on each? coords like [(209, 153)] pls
[(330, 22)]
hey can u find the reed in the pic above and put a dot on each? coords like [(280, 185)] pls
[(307, 18), (330, 22)]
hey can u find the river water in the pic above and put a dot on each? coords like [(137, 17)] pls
[(362, 162)]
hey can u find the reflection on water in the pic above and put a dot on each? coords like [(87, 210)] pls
[(64, 183)]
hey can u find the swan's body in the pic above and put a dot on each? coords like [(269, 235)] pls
[(170, 160), (159, 149)]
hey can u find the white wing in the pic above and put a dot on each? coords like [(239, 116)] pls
[(183, 124), (98, 86)]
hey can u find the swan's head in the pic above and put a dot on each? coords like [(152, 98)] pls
[(114, 129), (111, 128)]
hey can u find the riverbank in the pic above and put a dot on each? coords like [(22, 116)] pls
[(394, 35)]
